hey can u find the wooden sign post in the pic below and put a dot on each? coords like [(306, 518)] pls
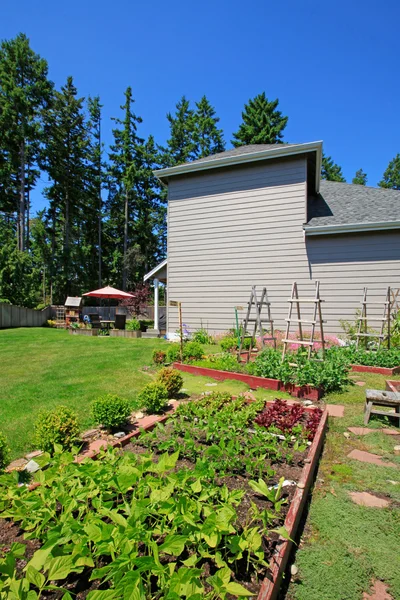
[(179, 305)]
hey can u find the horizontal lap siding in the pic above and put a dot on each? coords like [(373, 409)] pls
[(230, 229)]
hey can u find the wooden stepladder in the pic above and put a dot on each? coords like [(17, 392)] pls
[(258, 321), (294, 302), (362, 332)]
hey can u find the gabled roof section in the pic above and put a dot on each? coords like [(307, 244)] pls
[(341, 207), (243, 155), (158, 272)]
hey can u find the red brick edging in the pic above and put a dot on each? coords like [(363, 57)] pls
[(380, 370), (253, 381)]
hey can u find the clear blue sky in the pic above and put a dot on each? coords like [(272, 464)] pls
[(333, 65)]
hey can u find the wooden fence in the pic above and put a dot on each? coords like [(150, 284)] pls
[(18, 316)]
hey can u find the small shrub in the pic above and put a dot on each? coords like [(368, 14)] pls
[(231, 343), (58, 426), (51, 323), (154, 397), (202, 336), (192, 351), (172, 379), (4, 452), (111, 411), (173, 352), (159, 357), (132, 325)]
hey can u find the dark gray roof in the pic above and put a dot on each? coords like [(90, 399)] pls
[(346, 203), (240, 151)]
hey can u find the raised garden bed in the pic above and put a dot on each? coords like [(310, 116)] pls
[(393, 386), (125, 333), (305, 391), (379, 370), (84, 331), (215, 507)]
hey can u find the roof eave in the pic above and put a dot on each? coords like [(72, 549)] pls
[(153, 272), (350, 228), (279, 152)]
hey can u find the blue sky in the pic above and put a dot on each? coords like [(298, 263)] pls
[(333, 65)]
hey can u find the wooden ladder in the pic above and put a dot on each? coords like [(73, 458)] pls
[(258, 320), (294, 300), (362, 332)]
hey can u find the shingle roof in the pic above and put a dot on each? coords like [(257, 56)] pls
[(240, 151), (346, 203)]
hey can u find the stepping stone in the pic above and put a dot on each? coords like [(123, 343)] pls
[(391, 431), (397, 450), (378, 592), (34, 454), (211, 384), (366, 499), (17, 465), (367, 457), (362, 430), (32, 466), (335, 410), (360, 383)]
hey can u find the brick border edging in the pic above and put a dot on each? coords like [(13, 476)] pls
[(253, 381), (271, 585), (379, 370)]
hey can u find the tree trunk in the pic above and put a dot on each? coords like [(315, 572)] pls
[(21, 212), (124, 268), (100, 207)]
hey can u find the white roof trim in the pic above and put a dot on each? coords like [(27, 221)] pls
[(350, 228), (280, 151), (154, 271)]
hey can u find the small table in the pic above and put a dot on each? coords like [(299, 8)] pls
[(381, 398)]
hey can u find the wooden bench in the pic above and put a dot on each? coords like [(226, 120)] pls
[(381, 398)]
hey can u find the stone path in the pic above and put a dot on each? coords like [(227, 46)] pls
[(378, 592), (370, 458), (366, 499), (335, 410), (366, 430)]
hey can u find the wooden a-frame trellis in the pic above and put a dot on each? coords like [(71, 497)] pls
[(294, 302), (258, 320), (362, 331)]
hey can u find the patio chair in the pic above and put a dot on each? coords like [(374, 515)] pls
[(120, 321), (95, 320)]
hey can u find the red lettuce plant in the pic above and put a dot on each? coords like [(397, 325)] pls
[(285, 417)]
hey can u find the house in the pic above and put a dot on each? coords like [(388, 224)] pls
[(261, 215)]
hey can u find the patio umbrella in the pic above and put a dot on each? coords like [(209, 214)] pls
[(109, 292)]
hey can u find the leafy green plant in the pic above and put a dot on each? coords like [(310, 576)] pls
[(159, 357), (223, 362), (379, 358), (4, 452), (230, 343), (110, 411), (132, 325), (173, 352), (172, 379), (202, 336), (154, 397), (58, 426), (192, 351)]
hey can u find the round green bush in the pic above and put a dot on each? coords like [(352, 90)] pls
[(132, 325), (154, 397), (192, 351), (172, 379), (58, 426), (4, 452), (173, 352), (111, 411), (159, 357)]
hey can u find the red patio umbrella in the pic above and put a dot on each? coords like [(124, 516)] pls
[(109, 292)]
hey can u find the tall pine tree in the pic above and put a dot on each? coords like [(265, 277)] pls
[(330, 170), (181, 145), (24, 94), (262, 123), (391, 177), (96, 176), (121, 204), (66, 164), (360, 178), (209, 139)]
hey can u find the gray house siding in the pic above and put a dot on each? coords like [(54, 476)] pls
[(233, 228)]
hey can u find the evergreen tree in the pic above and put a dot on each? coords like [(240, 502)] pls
[(66, 164), (96, 172), (181, 145), (360, 178), (209, 139), (24, 94), (391, 177), (121, 203), (330, 170), (262, 123)]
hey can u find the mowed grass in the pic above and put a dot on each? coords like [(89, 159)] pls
[(43, 368)]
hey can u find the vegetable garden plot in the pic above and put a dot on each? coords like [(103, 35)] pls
[(195, 522)]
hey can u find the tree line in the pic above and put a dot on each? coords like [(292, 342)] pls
[(105, 219)]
